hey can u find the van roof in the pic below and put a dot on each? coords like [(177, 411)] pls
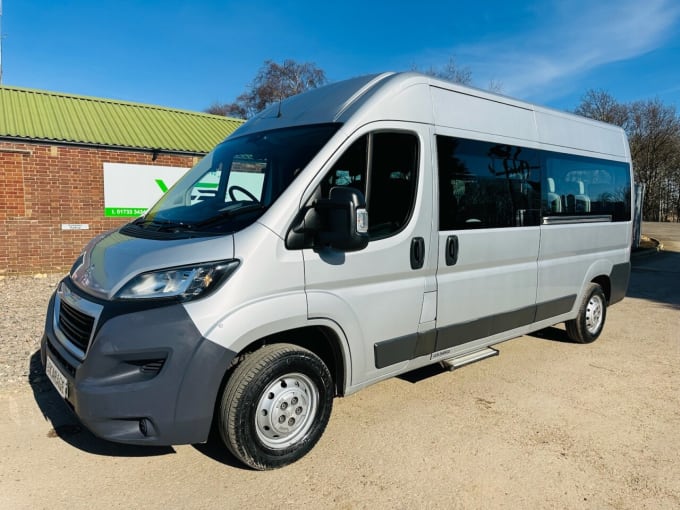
[(416, 97)]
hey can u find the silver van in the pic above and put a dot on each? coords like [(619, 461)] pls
[(341, 237)]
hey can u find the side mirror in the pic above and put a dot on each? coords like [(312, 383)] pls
[(344, 220)]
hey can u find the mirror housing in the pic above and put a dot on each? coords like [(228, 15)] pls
[(344, 220)]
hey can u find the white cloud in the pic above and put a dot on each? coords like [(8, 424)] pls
[(572, 39)]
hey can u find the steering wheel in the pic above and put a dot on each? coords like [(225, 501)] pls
[(247, 193)]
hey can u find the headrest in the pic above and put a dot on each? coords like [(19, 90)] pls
[(551, 185)]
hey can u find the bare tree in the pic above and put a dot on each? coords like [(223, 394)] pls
[(495, 86), (653, 131), (601, 105), (272, 83), (227, 110), (452, 71)]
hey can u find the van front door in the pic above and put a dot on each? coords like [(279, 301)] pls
[(376, 295), (489, 202)]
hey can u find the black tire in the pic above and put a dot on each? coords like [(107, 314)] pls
[(588, 324), (275, 406)]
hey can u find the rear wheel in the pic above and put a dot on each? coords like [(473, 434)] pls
[(588, 324), (275, 406)]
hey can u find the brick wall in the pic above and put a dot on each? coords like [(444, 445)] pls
[(43, 186)]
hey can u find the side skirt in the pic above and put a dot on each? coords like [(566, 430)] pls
[(396, 350)]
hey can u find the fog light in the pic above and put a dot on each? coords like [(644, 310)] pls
[(143, 427)]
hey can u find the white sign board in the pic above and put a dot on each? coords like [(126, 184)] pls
[(75, 226), (129, 190)]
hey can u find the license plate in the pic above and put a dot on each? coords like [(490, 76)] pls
[(58, 379)]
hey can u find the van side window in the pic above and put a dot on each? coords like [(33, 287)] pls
[(349, 170), (392, 184), (388, 182), (580, 186), (487, 185)]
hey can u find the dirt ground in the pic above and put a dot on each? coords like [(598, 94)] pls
[(546, 424)]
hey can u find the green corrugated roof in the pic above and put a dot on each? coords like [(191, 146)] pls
[(51, 116)]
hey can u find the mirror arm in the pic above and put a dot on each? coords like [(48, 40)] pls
[(305, 225)]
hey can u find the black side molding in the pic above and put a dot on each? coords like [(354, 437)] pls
[(619, 279), (396, 350)]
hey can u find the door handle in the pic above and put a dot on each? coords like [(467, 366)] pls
[(417, 252), (451, 250)]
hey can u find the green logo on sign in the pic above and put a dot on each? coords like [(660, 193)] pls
[(161, 185)]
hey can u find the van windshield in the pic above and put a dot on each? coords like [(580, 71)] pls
[(234, 184)]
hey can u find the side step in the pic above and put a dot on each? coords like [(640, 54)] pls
[(466, 359)]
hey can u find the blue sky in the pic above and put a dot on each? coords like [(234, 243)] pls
[(189, 54)]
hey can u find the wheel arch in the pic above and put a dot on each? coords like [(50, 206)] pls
[(321, 339), (605, 283), (598, 273)]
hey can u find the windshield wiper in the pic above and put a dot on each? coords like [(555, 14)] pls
[(160, 225), (228, 213)]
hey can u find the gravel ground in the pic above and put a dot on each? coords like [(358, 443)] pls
[(546, 424), (24, 303)]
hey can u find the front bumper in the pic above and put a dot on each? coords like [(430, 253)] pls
[(147, 377)]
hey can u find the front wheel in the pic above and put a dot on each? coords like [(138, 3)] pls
[(275, 406), (588, 324)]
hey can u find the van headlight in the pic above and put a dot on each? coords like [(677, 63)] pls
[(183, 283)]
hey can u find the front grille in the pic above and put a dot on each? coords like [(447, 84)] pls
[(64, 363), (75, 325)]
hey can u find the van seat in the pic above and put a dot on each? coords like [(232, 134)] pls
[(576, 200), (582, 200), (554, 200)]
